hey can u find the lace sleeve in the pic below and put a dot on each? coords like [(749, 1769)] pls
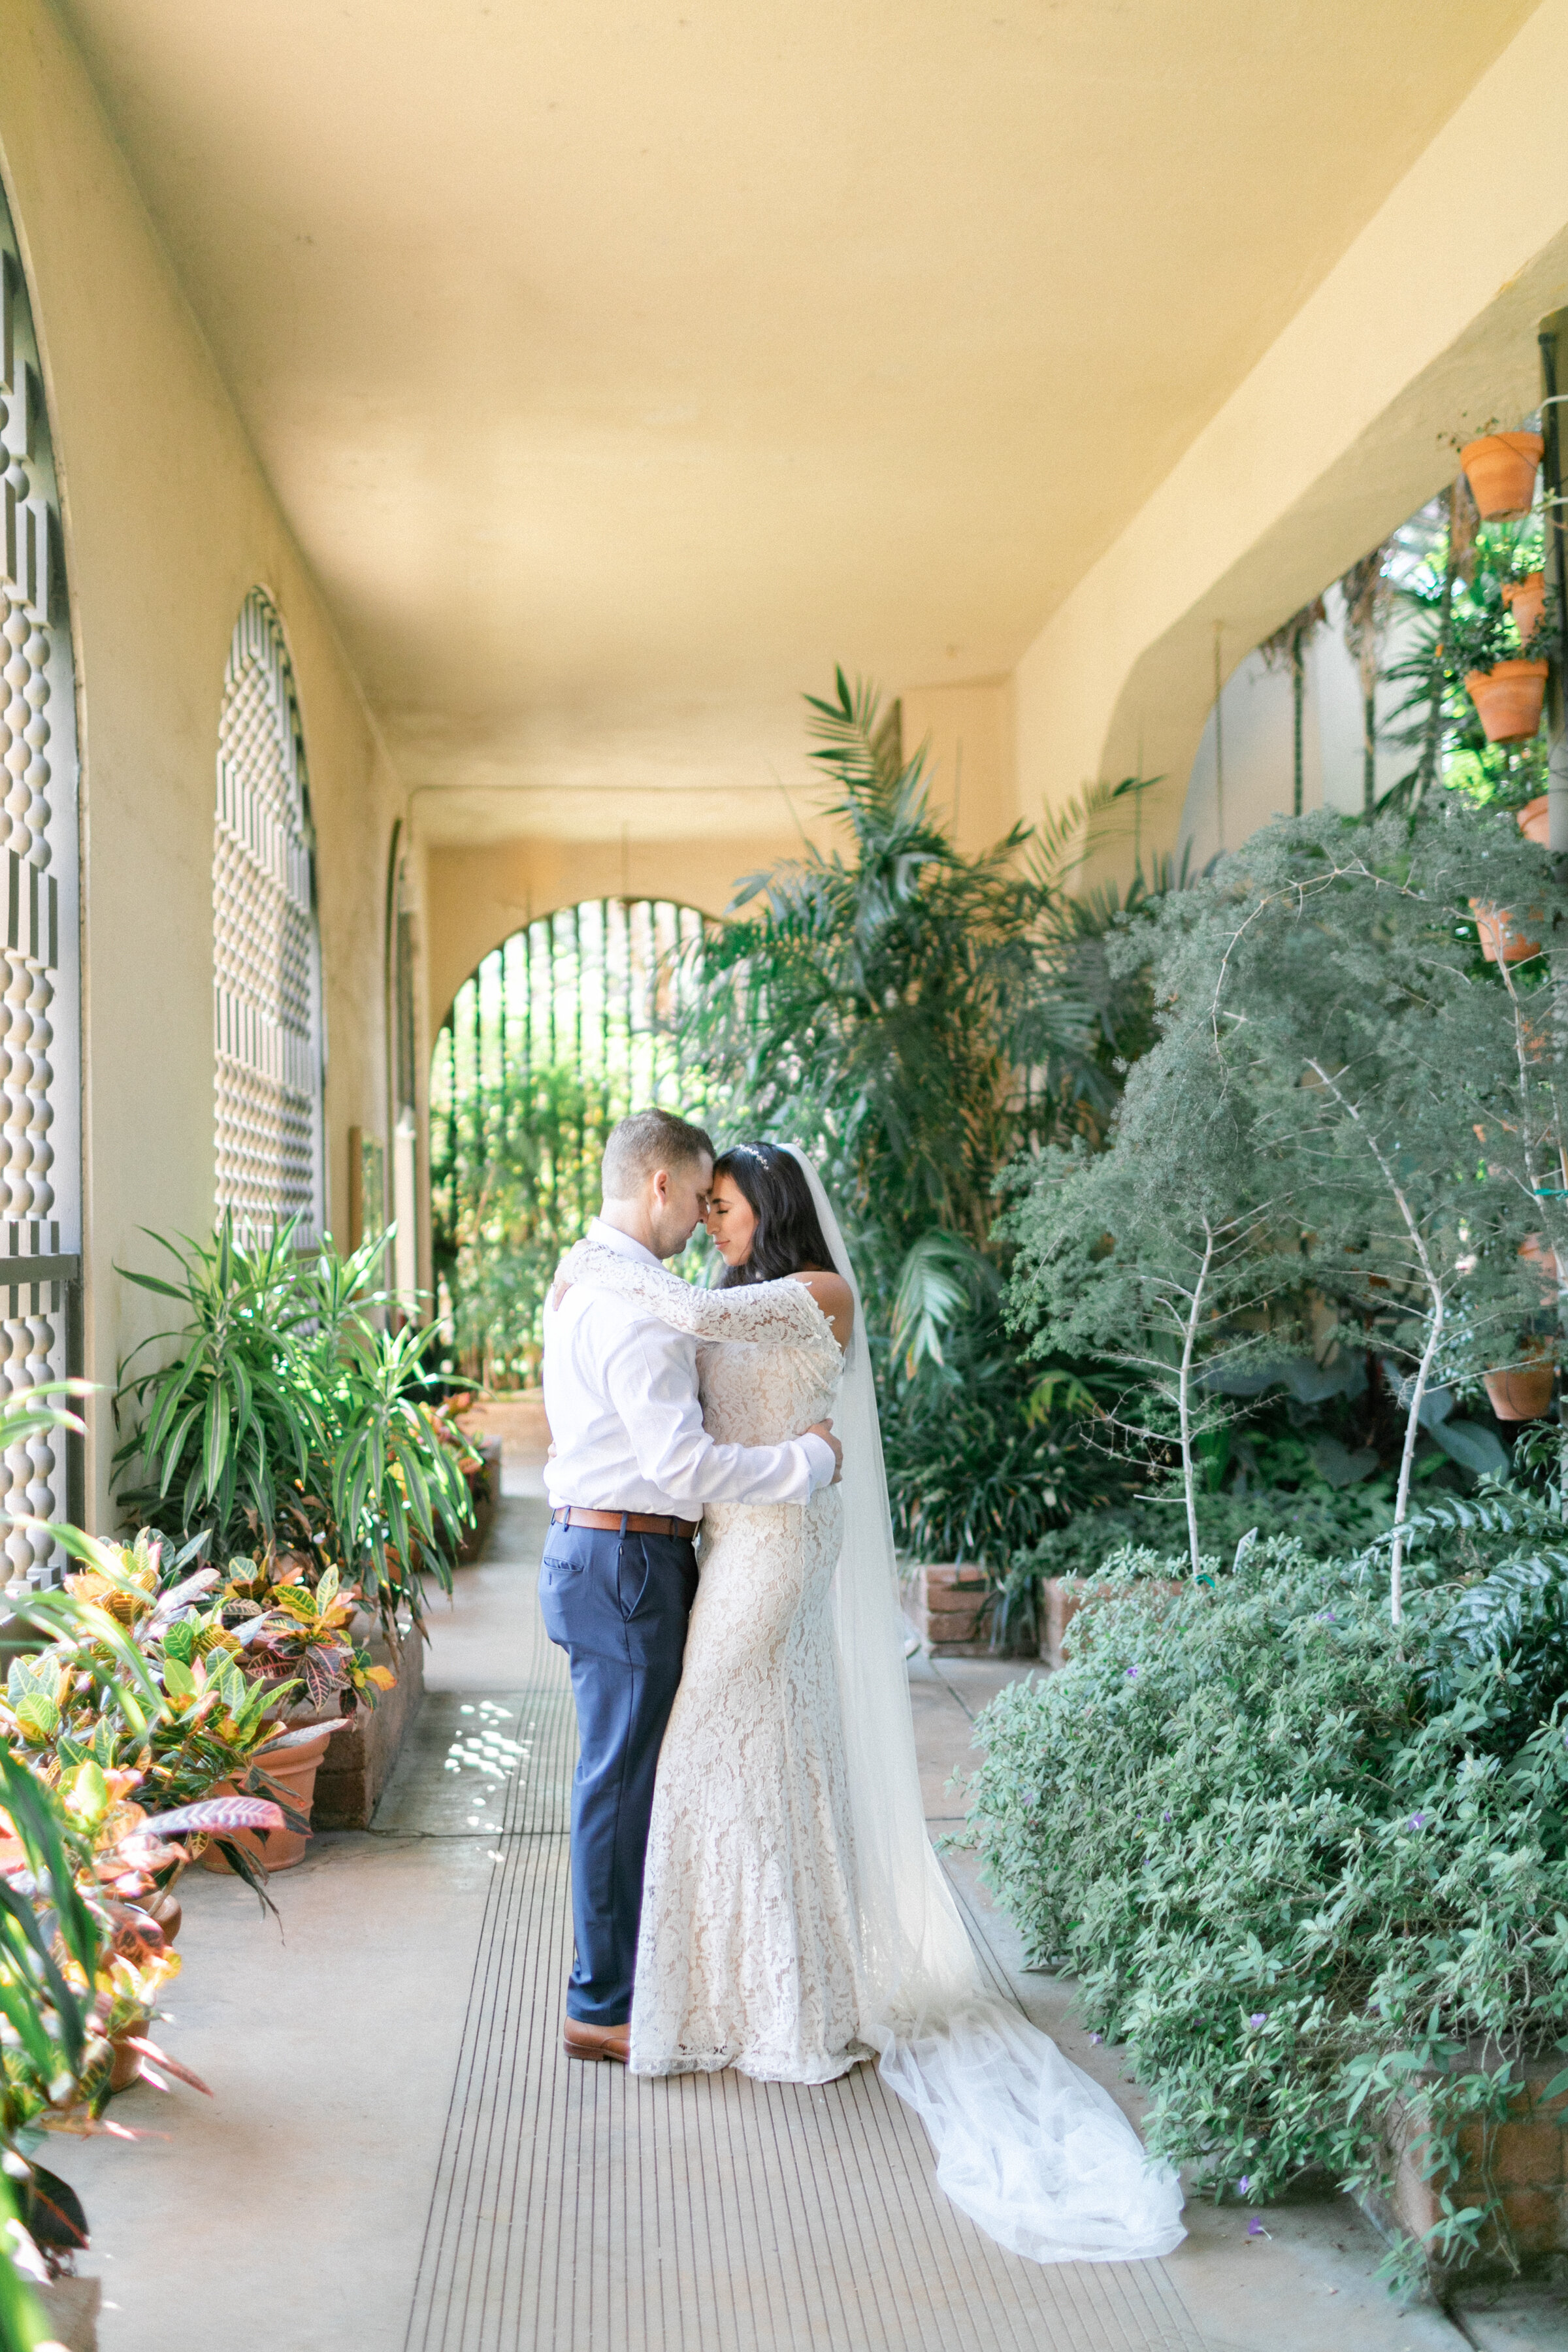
[(764, 1313)]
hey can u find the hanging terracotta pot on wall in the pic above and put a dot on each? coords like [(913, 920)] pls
[(1523, 1391), (1501, 469), (1526, 600), (1508, 698), (1503, 940), (1533, 820)]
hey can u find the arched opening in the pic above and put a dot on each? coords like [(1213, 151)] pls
[(565, 1027), (267, 964)]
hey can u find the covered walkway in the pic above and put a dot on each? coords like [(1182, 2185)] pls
[(398, 2156)]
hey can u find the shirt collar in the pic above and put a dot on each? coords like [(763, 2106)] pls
[(611, 1237)]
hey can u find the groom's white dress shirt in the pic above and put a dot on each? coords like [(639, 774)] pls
[(620, 1390)]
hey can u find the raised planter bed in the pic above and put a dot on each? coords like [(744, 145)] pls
[(358, 1764), (484, 1487), (517, 1418), (1522, 2160), (948, 1607)]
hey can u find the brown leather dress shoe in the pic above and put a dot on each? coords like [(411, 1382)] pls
[(581, 2039)]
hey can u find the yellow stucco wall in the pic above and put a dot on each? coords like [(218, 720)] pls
[(1423, 332), (476, 897), (696, 851), (168, 522), (969, 731)]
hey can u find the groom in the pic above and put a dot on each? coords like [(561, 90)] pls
[(631, 1471)]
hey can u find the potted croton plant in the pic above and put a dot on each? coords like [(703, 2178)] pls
[(292, 1623)]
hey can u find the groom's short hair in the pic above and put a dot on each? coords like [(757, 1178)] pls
[(646, 1141)]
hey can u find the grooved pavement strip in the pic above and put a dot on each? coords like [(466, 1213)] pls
[(579, 2208)]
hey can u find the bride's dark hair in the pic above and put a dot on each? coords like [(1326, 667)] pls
[(789, 1232)]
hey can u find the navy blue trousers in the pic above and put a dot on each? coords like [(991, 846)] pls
[(618, 1606)]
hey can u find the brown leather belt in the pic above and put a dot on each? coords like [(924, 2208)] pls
[(631, 1523)]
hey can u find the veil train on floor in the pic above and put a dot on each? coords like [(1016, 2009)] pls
[(1027, 2145)]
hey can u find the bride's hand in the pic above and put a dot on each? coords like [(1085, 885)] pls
[(824, 1429)]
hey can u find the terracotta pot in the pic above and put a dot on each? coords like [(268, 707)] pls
[(125, 2065), (1501, 469), (294, 1769), (1533, 820), (164, 1907), (1526, 600), (1508, 698), (1523, 1391), (1502, 938)]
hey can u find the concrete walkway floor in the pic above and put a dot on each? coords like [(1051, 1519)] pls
[(398, 2158)]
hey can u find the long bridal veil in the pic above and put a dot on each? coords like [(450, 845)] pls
[(1027, 2143)]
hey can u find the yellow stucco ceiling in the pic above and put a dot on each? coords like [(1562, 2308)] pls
[(621, 367)]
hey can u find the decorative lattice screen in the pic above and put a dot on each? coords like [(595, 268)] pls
[(266, 991), (40, 1198)]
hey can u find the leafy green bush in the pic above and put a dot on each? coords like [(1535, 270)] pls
[(1290, 1871), (1327, 1523), (285, 1416), (973, 1471), (915, 1016)]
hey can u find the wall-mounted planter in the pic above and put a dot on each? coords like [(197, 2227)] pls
[(1533, 820), (1503, 937), (1501, 469), (1524, 1390), (1508, 698), (1526, 600)]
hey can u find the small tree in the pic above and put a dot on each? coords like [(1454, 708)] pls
[(1161, 1255), (1331, 975), (1346, 1098)]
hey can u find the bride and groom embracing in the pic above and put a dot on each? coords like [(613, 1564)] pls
[(751, 1880)]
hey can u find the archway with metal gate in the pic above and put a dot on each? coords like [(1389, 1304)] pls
[(567, 1026)]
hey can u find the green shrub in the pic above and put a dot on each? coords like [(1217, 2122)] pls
[(1327, 1523), (1288, 1870), (285, 1416)]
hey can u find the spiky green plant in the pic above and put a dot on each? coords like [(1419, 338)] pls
[(288, 1414)]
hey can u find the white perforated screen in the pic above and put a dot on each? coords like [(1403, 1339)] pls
[(265, 963), (40, 1196)]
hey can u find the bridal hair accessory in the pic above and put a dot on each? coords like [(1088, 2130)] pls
[(1027, 2145)]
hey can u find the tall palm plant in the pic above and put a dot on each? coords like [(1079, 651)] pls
[(915, 1017), (908, 1013)]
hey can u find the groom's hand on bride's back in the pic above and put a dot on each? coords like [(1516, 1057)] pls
[(824, 1429)]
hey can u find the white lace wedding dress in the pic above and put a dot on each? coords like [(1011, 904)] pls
[(795, 1916), (748, 1952)]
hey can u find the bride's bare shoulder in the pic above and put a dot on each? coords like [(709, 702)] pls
[(835, 1298)]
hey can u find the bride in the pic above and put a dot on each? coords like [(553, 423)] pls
[(794, 1917)]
